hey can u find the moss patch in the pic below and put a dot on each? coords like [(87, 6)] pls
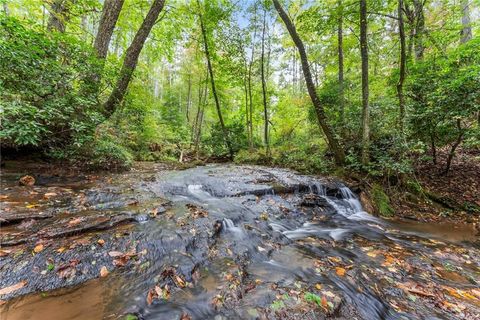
[(381, 201)]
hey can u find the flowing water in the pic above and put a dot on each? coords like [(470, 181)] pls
[(226, 242)]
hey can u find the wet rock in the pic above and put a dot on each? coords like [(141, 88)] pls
[(313, 200)]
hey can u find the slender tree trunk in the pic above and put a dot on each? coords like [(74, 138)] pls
[(410, 15), (58, 16), (250, 87), (341, 98), (189, 98), (419, 29), (108, 20), (5, 9), (212, 82), (454, 147), (264, 86), (131, 57), (401, 99), (466, 26), (365, 93), (322, 119), (200, 121)]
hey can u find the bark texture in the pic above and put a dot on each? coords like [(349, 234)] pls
[(108, 20), (212, 82), (401, 80), (365, 91), (322, 119), (131, 56)]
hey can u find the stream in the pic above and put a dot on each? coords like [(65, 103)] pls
[(222, 242)]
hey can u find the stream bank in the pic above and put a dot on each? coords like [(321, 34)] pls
[(223, 241)]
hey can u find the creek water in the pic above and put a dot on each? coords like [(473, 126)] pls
[(235, 242)]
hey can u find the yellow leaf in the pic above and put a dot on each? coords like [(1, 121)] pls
[(38, 248), (318, 286), (340, 271)]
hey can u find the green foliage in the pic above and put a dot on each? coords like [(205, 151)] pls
[(215, 142), (381, 201), (444, 96), (40, 88), (107, 154), (312, 297)]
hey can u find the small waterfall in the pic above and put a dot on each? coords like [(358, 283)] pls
[(229, 226), (351, 198)]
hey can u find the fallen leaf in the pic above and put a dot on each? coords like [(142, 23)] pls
[(27, 180), (13, 288), (318, 286), (104, 272), (115, 254), (4, 252), (74, 222), (101, 242), (49, 195), (179, 281), (150, 295), (38, 248), (340, 271), (185, 316), (61, 249), (324, 302)]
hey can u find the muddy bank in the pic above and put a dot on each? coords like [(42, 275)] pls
[(224, 241)]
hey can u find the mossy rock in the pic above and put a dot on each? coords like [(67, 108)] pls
[(381, 201)]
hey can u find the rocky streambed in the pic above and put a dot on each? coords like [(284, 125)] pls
[(222, 242)]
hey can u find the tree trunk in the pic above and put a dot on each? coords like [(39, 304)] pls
[(108, 20), (58, 16), (341, 90), (250, 95), (466, 26), (365, 106), (5, 9), (212, 82), (457, 142), (189, 98), (419, 29), (322, 119), (110, 12), (131, 57), (401, 80), (264, 86)]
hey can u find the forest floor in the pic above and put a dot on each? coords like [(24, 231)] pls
[(452, 197)]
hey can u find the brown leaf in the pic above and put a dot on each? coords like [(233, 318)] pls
[(185, 316), (13, 288), (101, 242), (104, 272), (74, 222), (48, 195), (27, 181), (115, 254), (150, 295), (121, 261)]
